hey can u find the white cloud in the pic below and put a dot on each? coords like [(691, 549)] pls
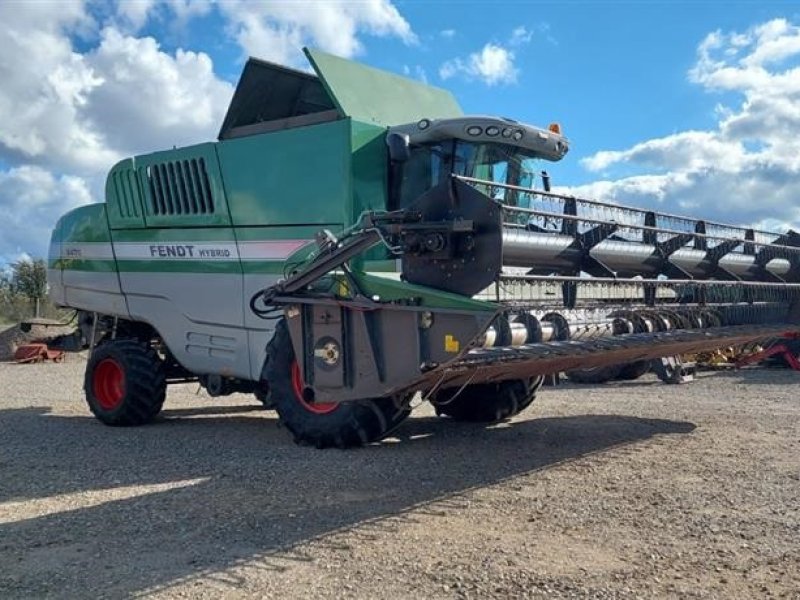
[(132, 15), (68, 116), (689, 150), (135, 13), (747, 168), (276, 31), (188, 9), (31, 199), (166, 99), (520, 35), (448, 34), (493, 65), (45, 84), (79, 113)]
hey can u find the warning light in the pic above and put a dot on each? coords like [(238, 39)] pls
[(554, 128)]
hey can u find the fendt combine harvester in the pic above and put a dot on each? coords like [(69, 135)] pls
[(353, 241)]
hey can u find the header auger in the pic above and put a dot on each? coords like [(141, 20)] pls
[(353, 241)]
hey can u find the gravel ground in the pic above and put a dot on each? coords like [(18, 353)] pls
[(632, 490)]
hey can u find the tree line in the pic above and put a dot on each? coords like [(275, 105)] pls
[(23, 291)]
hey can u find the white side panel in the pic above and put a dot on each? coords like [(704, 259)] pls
[(93, 291), (55, 287), (99, 281), (55, 283), (199, 316), (259, 330)]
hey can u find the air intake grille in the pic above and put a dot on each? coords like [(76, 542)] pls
[(124, 182), (180, 187)]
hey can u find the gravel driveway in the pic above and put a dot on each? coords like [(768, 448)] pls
[(619, 491)]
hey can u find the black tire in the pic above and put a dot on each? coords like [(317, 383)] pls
[(594, 375), (340, 425), (487, 402), (634, 370), (125, 383), (262, 395)]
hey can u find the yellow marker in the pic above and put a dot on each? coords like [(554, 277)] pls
[(451, 344)]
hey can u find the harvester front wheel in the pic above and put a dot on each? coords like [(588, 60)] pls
[(125, 383), (487, 402), (320, 424), (634, 370), (594, 375), (262, 395)]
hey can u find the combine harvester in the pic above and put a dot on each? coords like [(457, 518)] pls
[(353, 240)]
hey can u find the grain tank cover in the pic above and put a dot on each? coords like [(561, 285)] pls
[(270, 97), (375, 96)]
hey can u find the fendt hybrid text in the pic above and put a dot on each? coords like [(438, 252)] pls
[(353, 242)]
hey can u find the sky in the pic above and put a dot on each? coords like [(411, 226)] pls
[(686, 106)]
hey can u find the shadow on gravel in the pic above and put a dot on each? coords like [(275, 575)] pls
[(755, 375), (760, 375), (244, 490)]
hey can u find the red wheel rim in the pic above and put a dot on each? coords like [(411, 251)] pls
[(108, 384), (318, 408)]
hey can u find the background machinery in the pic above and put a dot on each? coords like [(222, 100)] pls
[(353, 240)]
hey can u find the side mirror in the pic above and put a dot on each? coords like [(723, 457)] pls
[(399, 146), (546, 181)]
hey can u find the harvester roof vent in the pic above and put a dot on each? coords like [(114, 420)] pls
[(179, 187), (123, 183), (269, 97)]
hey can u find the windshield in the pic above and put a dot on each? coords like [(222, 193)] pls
[(431, 164)]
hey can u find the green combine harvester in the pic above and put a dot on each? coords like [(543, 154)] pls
[(353, 241)]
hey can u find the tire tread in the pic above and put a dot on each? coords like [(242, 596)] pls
[(487, 402), (351, 425), (145, 382)]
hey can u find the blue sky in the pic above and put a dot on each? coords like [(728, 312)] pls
[(687, 106)]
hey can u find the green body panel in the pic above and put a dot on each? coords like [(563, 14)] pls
[(369, 168), (391, 289), (88, 265), (178, 266), (211, 184), (293, 176), (156, 235), (382, 265), (374, 96), (85, 224), (370, 177), (185, 173)]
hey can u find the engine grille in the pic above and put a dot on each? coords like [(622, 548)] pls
[(179, 187)]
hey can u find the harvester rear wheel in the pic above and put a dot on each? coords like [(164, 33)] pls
[(487, 402), (324, 425), (125, 383)]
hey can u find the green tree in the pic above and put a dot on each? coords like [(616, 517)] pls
[(29, 278)]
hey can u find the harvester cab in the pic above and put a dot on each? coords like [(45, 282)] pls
[(493, 149), (352, 241)]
